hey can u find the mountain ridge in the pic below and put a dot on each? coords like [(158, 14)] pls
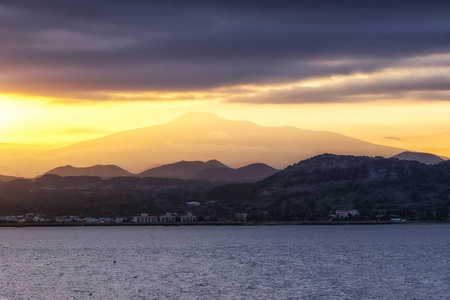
[(212, 170), (196, 137), (205, 136), (103, 171)]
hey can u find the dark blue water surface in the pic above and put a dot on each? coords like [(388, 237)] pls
[(404, 261)]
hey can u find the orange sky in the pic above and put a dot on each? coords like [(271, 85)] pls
[(81, 70), (46, 124)]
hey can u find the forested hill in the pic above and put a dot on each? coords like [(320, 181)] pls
[(327, 182), (311, 189)]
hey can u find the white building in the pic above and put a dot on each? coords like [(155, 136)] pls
[(145, 218), (89, 220), (168, 217), (188, 218)]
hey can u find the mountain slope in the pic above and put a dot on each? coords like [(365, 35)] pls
[(327, 182), (426, 158), (205, 136), (196, 137), (107, 171)]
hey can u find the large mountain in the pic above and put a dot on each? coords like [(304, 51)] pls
[(426, 158), (198, 137), (205, 136)]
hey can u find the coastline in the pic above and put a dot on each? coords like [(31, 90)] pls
[(175, 224)]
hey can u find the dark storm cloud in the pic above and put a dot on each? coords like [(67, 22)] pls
[(73, 47), (434, 87)]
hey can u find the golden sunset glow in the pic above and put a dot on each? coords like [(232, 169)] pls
[(207, 149), (70, 82), (51, 124)]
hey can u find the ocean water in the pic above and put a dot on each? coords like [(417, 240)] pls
[(404, 261)]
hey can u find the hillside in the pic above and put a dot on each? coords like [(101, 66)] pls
[(55, 195), (319, 185), (309, 190)]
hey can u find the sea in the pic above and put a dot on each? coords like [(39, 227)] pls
[(398, 261)]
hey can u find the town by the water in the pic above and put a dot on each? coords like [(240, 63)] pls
[(240, 218)]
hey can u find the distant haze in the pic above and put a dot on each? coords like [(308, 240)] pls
[(195, 136)]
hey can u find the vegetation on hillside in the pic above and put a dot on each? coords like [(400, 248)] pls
[(312, 189)]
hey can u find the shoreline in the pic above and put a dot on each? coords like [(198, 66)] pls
[(175, 224)]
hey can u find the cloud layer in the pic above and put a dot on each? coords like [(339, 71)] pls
[(96, 49)]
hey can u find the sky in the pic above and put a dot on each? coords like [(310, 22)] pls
[(76, 70)]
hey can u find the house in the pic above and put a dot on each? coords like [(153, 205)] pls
[(89, 220), (168, 217), (29, 216), (342, 214), (61, 219), (74, 219), (105, 220), (398, 220), (145, 218), (188, 218)]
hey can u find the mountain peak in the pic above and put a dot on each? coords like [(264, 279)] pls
[(215, 163), (199, 136)]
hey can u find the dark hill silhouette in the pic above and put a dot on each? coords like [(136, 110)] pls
[(318, 184), (250, 173), (212, 170), (108, 171), (426, 158), (182, 169)]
